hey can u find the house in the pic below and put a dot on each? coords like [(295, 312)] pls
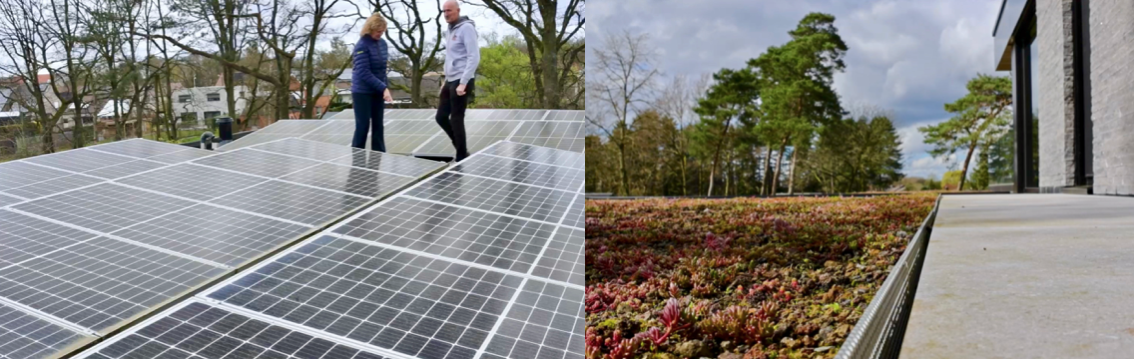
[(194, 106), (1072, 83)]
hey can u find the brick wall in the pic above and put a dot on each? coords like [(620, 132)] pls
[(1056, 92), (1112, 94)]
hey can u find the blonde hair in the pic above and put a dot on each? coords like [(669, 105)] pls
[(375, 22)]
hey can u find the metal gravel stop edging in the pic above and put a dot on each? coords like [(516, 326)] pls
[(880, 330)]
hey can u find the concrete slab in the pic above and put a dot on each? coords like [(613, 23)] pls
[(1026, 276)]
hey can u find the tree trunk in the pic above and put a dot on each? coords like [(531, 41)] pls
[(779, 166), (965, 169), (550, 70), (767, 171), (791, 173)]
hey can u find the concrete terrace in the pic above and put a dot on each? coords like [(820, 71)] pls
[(1026, 276)]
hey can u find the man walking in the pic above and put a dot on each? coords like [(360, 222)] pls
[(462, 56)]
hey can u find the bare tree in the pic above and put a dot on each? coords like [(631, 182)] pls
[(68, 27), (624, 79), (312, 79), (677, 100), (419, 40), (549, 28), (25, 39)]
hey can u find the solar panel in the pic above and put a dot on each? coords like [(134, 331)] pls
[(576, 216), (522, 172), (334, 127), (23, 238), (292, 127), (390, 299), (410, 114), (472, 236), (480, 135), (546, 322), (354, 180), (193, 181), (81, 160), (100, 282), (140, 148), (104, 208), (183, 156), (257, 163), (18, 174), (201, 330), (297, 203), (461, 266), (568, 136), (54, 186), (537, 154), (564, 259), (571, 116), (126, 169), (230, 238), (8, 200), (26, 337), (307, 149), (496, 196), (400, 165)]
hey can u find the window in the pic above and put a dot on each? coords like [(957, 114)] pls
[(212, 114), (213, 97), (184, 98)]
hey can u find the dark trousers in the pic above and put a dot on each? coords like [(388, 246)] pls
[(451, 115), (369, 110)]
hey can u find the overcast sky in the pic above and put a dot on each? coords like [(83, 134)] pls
[(909, 56)]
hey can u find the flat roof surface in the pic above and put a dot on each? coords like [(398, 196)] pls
[(1026, 276)]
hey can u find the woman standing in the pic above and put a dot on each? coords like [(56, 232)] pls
[(368, 88)]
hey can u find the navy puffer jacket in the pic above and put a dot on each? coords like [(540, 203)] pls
[(369, 73)]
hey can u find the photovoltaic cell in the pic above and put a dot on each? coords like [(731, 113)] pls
[(101, 282), (81, 160), (54, 186), (487, 239), (576, 216), (202, 331), (183, 156), (292, 127), (564, 259), (334, 128), (306, 205), (496, 196), (140, 148), (410, 114), (412, 305), (104, 208), (26, 337), (126, 169), (215, 234), (567, 136), (256, 138), (18, 174), (546, 322), (573, 116), (537, 154), (307, 149), (7, 200), (193, 181), (479, 135), (401, 165), (523, 172), (23, 237), (355, 180), (257, 163)]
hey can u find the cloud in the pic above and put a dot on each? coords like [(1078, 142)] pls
[(910, 56)]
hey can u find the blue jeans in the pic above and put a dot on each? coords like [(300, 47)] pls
[(369, 110)]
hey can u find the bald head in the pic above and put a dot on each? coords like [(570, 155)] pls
[(452, 11)]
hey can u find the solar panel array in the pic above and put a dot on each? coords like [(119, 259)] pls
[(93, 238), (415, 132), (427, 273)]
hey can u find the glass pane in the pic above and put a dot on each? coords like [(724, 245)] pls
[(1033, 175)]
